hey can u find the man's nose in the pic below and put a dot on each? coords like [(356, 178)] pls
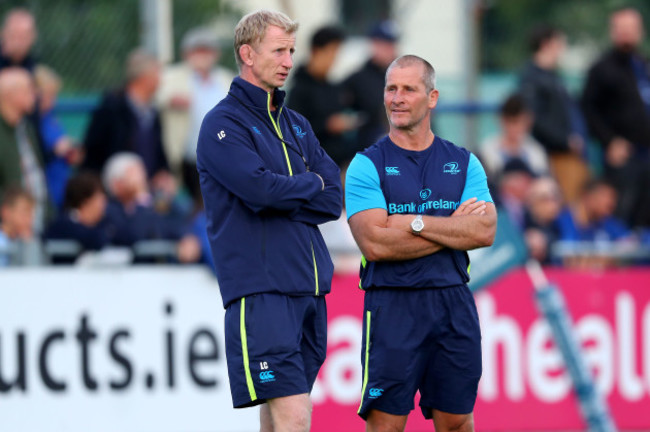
[(397, 97), (287, 61)]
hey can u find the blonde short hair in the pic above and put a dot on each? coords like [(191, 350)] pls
[(251, 28), (46, 78)]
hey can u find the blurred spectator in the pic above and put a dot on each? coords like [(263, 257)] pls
[(84, 210), (21, 161), (126, 120), (188, 91), (131, 215), (17, 38), (557, 122), (339, 240), (59, 149), (16, 221), (364, 89), (514, 141), (200, 231), (543, 205), (513, 187), (310, 84), (616, 101), (591, 219)]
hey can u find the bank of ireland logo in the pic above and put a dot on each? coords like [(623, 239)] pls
[(374, 393), (425, 193), (299, 132), (267, 376), (450, 168), (392, 171)]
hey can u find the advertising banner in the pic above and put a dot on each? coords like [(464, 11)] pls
[(141, 349), (129, 349), (524, 386)]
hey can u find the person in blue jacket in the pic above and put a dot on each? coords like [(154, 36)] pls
[(415, 204), (267, 185)]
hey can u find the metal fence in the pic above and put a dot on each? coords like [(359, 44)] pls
[(86, 42)]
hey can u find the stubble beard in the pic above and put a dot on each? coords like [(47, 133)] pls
[(410, 126)]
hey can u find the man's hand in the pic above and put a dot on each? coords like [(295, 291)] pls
[(179, 102), (339, 123), (469, 207), (188, 249), (618, 152)]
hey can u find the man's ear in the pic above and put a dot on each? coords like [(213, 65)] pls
[(246, 54), (433, 98)]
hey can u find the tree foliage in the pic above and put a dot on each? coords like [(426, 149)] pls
[(87, 41), (506, 24)]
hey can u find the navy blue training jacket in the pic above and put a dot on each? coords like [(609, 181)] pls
[(263, 198)]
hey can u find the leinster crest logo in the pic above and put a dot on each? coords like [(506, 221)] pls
[(450, 168), (298, 130)]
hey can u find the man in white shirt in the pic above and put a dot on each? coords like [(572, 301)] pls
[(188, 91)]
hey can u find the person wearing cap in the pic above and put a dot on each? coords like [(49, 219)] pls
[(310, 83), (514, 183), (189, 90), (364, 89)]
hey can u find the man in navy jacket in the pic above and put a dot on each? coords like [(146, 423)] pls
[(267, 184)]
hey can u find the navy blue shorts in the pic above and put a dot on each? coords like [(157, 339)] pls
[(275, 346), (427, 340)]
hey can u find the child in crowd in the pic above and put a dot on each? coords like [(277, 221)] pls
[(514, 142), (16, 221), (59, 149)]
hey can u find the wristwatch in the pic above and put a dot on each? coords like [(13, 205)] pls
[(417, 225)]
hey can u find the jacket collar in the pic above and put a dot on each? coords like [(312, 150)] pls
[(253, 95)]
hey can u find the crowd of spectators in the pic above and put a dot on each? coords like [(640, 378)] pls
[(124, 188), (132, 181), (570, 211)]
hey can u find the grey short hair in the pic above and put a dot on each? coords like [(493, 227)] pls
[(429, 74), (138, 62), (200, 37), (117, 166), (252, 27)]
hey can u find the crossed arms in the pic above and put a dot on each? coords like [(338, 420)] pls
[(389, 238), (311, 197)]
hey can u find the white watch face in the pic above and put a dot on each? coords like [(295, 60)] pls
[(417, 224)]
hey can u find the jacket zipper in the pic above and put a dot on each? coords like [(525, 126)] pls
[(278, 131)]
